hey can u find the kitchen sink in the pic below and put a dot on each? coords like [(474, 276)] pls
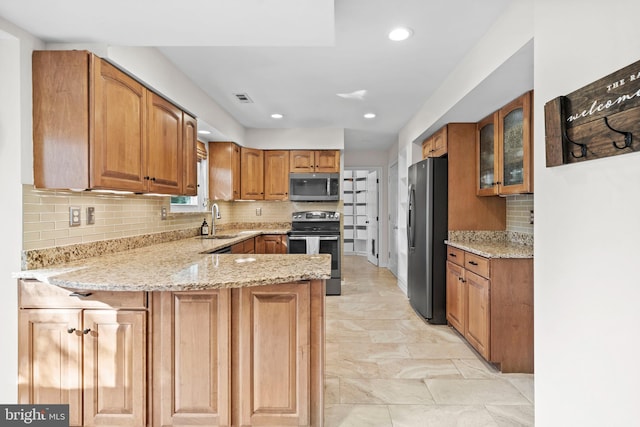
[(219, 236)]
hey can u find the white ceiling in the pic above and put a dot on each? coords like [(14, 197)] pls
[(290, 56)]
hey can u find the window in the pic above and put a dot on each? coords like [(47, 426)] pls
[(197, 203)]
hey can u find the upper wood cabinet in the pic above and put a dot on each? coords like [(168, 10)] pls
[(190, 155), (224, 171), (276, 175), (503, 150), (305, 161), (436, 144), (95, 127), (489, 213), (164, 146), (252, 174)]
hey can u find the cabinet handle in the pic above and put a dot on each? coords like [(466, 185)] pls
[(453, 255), (86, 331), (473, 263), (464, 281), (71, 330), (80, 294)]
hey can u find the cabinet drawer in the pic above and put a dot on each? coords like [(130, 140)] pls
[(455, 255), (34, 294), (477, 264)]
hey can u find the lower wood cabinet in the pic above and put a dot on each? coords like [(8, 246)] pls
[(271, 244), (490, 302), (242, 357), (244, 247), (191, 364), (93, 359)]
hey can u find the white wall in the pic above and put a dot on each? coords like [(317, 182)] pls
[(587, 233), (295, 138), (15, 141)]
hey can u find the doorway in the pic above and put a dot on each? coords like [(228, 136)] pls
[(393, 219), (361, 194)]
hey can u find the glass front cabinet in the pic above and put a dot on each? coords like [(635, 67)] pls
[(503, 150)]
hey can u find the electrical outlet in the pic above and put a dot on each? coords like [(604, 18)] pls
[(163, 213), (530, 217), (258, 211), (91, 215), (74, 216)]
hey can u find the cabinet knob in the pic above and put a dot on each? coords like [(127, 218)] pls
[(146, 178), (153, 179), (71, 330), (452, 255), (86, 331)]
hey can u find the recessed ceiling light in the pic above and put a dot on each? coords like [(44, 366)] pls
[(204, 132), (400, 33), (369, 115), (276, 116)]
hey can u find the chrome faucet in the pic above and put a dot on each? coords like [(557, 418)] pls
[(215, 214)]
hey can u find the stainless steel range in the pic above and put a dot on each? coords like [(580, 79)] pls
[(314, 232)]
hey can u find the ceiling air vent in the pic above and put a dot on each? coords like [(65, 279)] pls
[(243, 98)]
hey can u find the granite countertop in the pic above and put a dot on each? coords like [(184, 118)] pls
[(184, 265), (494, 249)]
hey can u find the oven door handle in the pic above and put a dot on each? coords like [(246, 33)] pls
[(321, 238)]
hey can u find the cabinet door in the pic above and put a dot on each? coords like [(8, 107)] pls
[(302, 161), (224, 171), (439, 144), (117, 149), (164, 146), (189, 155), (427, 147), (456, 296), (276, 175), (50, 364), (478, 326), (192, 358), (115, 367), (272, 244), (327, 161), (274, 348), (515, 154), (252, 174), (487, 164)]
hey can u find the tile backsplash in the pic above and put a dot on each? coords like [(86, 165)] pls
[(46, 216), (519, 210)]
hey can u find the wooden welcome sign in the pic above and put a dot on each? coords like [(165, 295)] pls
[(599, 120)]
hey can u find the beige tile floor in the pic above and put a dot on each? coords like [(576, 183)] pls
[(385, 366)]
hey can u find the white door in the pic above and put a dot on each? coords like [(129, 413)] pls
[(372, 217), (393, 219)]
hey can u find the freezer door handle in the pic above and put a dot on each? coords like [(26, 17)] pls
[(410, 217)]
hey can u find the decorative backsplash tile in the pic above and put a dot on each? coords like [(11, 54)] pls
[(130, 221), (519, 210)]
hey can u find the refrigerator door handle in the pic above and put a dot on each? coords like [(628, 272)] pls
[(410, 217)]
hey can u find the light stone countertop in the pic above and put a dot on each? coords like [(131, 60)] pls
[(494, 249), (184, 265)]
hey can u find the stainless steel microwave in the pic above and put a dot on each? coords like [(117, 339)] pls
[(314, 187)]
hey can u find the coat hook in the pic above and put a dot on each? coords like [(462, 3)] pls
[(628, 137), (583, 147)]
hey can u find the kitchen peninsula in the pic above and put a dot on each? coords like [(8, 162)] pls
[(172, 334)]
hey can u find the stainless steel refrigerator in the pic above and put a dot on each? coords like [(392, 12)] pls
[(426, 233)]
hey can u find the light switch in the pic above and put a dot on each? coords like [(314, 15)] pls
[(91, 215)]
